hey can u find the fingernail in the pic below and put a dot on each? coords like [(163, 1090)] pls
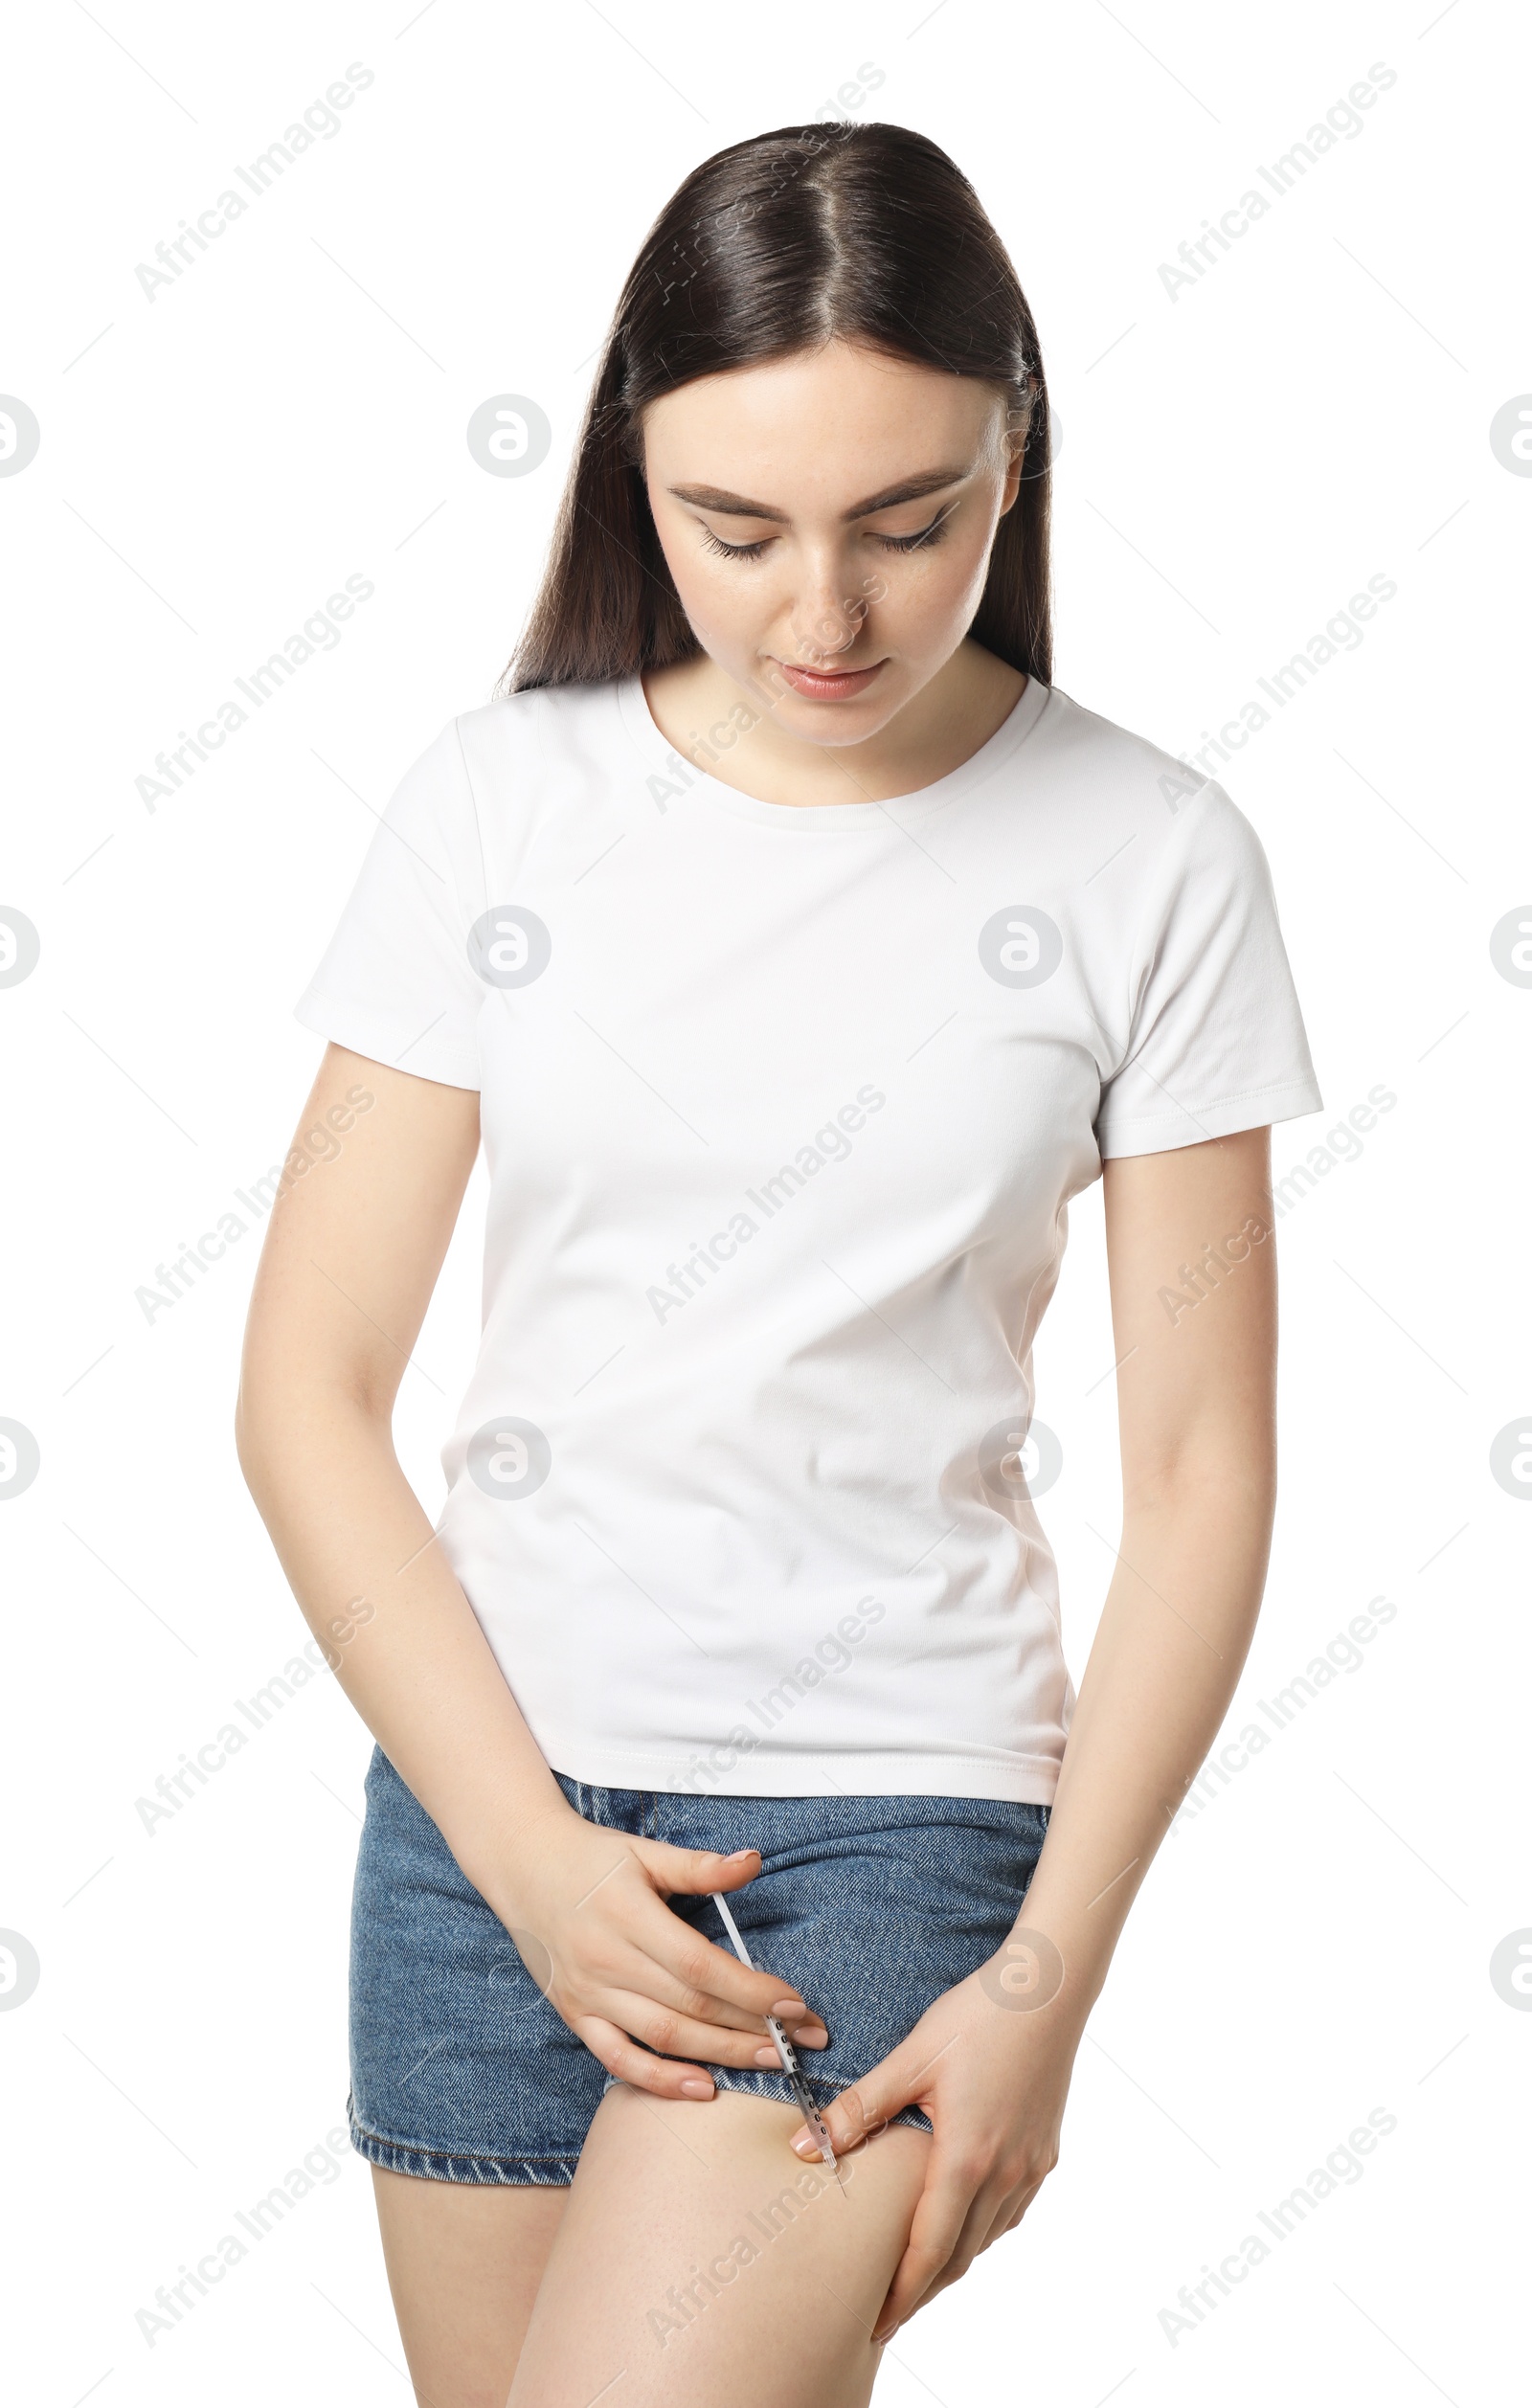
[(884, 2332), (805, 2142), (788, 2009), (738, 1855), (766, 2057), (811, 2036), (696, 2089)]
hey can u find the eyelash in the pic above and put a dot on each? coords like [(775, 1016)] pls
[(921, 541)]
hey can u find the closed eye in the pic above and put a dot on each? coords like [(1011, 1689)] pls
[(733, 551), (924, 535), (917, 542)]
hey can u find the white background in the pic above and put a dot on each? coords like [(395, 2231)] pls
[(1237, 461)]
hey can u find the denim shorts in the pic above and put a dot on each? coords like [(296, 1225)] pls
[(869, 1906)]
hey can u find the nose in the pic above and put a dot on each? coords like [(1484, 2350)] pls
[(825, 622)]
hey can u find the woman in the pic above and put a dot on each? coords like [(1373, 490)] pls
[(798, 951)]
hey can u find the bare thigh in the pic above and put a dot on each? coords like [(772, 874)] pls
[(465, 2260), (699, 2260)]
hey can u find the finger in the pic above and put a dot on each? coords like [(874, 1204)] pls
[(673, 2034), (632, 1969), (645, 1949), (936, 2229), (665, 2077), (991, 2214), (1018, 2209), (870, 2104), (708, 1971), (806, 2030), (691, 1871), (704, 1970)]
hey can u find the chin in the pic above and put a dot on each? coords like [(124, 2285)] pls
[(830, 724)]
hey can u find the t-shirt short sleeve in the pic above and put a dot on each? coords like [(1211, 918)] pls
[(1216, 1041), (395, 981)]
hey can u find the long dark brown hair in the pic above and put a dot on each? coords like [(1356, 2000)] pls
[(868, 232)]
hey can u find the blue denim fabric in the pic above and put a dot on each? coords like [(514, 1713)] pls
[(869, 1907)]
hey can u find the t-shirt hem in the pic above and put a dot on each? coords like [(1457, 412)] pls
[(423, 1051), (1023, 1780), (1157, 1133)]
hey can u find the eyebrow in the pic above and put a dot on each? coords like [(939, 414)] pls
[(709, 497)]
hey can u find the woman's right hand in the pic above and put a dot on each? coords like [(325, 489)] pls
[(644, 1991)]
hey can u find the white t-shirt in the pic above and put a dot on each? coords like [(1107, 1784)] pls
[(782, 1109)]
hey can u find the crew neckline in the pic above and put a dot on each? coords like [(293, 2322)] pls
[(827, 818)]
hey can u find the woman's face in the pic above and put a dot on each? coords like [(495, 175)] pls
[(827, 519)]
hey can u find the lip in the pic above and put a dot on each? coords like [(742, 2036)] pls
[(834, 686)]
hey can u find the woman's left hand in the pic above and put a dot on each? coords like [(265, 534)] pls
[(993, 2075)]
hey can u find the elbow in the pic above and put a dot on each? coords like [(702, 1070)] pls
[(252, 1436), (271, 1412), (1221, 1480), (285, 1420)]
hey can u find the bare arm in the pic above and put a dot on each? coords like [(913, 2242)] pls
[(350, 1258), (351, 1254), (1197, 1410)]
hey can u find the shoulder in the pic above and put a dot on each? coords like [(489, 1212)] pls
[(515, 730), (505, 775), (1084, 747), (1116, 784), (499, 761)]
